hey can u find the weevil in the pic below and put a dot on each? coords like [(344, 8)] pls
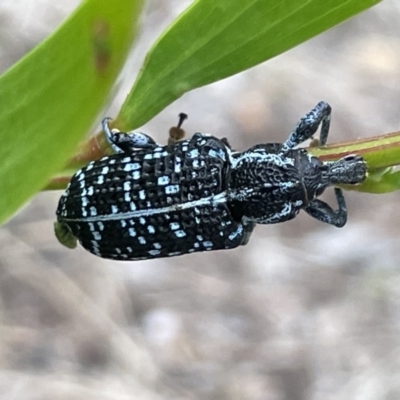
[(149, 201)]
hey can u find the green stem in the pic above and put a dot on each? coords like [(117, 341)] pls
[(380, 152)]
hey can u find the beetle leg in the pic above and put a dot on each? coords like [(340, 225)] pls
[(126, 142), (247, 231), (324, 213), (308, 125)]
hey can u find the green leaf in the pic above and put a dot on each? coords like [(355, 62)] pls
[(213, 39), (383, 180), (50, 98)]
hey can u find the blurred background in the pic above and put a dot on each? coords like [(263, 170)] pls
[(304, 311)]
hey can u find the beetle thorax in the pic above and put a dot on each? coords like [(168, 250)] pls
[(266, 186)]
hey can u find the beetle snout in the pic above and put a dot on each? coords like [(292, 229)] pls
[(355, 169), (351, 169)]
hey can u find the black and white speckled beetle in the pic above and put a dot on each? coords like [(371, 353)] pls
[(149, 201)]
